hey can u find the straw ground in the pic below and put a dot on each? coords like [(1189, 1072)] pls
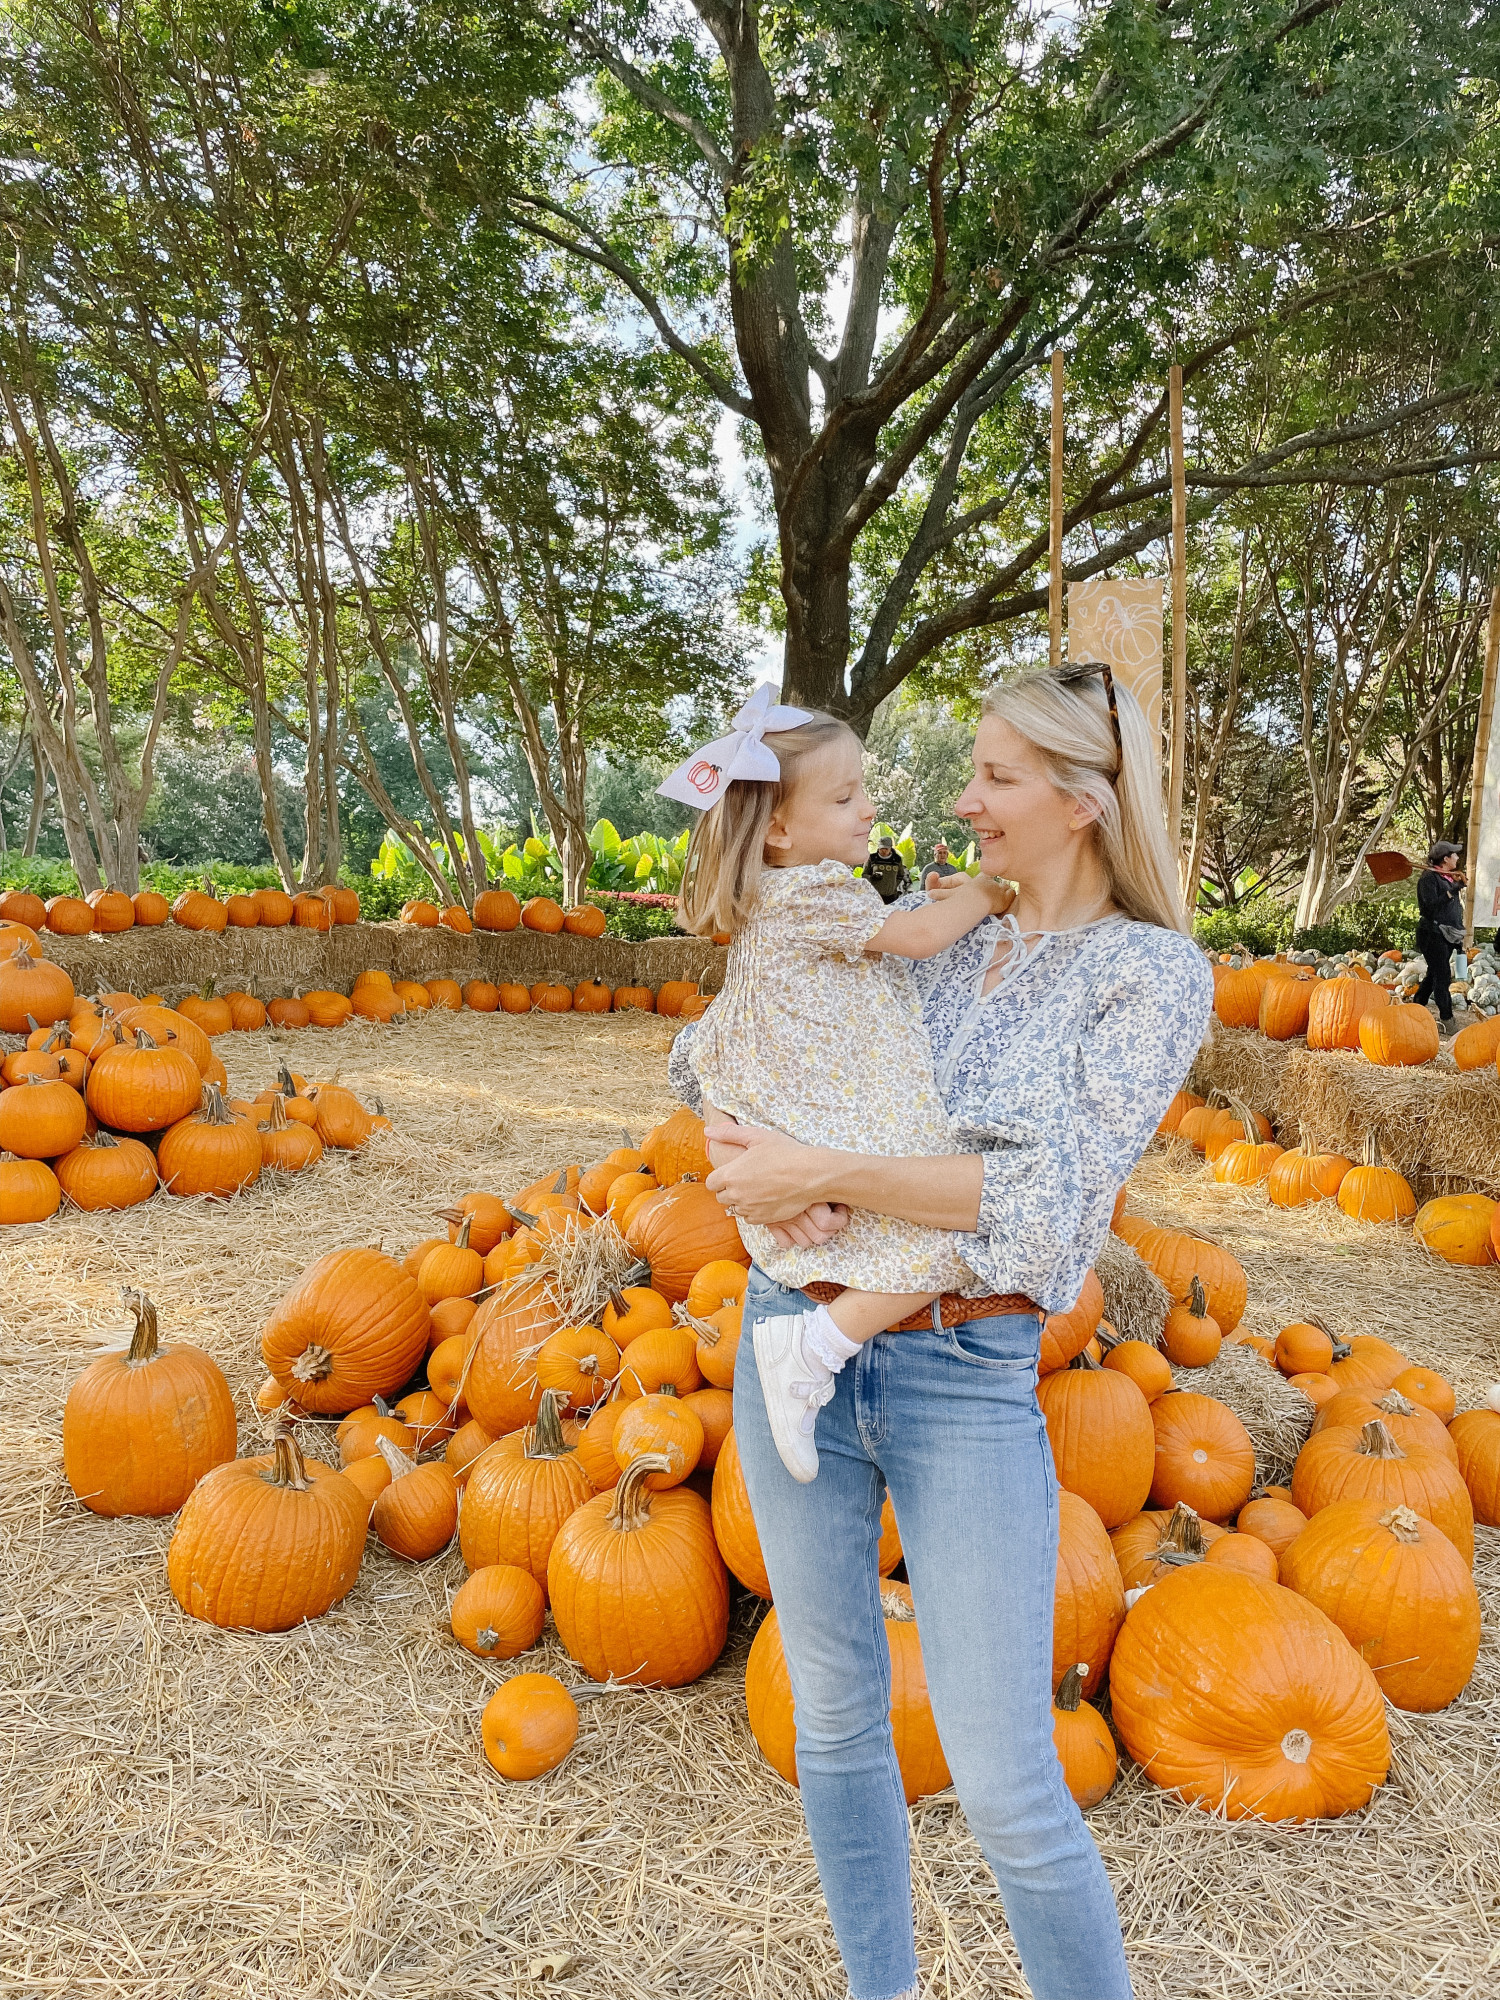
[(198, 1814)]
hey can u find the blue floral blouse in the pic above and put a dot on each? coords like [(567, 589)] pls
[(1059, 1076)]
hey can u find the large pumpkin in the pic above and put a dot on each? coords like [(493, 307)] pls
[(1177, 1259), (1247, 1700), (144, 1423), (33, 991), (639, 1590), (1099, 1427), (512, 1323), (1374, 1192), (1456, 1227), (354, 1326), (266, 1542), (1368, 1464), (1285, 1005), (1476, 1438), (768, 1700), (678, 1231), (1336, 1010), (676, 1148), (1400, 1593), (1399, 1036), (1304, 1175), (734, 1524), (1089, 1603), (520, 1493)]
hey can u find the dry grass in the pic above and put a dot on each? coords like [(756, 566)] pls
[(194, 1815)]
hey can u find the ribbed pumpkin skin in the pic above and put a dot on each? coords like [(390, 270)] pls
[(1177, 1259), (515, 1505), (1099, 1426), (209, 1153), (1399, 1036), (1333, 1466), (1277, 1523), (734, 1524), (680, 1230), (251, 1554), (1456, 1227), (1237, 997), (768, 1700), (28, 1191), (1065, 1334), (1478, 1045), (1336, 1010), (95, 1177), (1204, 1456), (504, 1325), (143, 1089), (1089, 1605), (1303, 1176), (360, 1308), (1139, 1544), (1372, 1364), (639, 1590), (1413, 1427), (1284, 1008), (1376, 1194), (139, 1435), (169, 1029), (1217, 1676), (1400, 1593), (676, 1148), (499, 1612), (1476, 1438), (1146, 1366)]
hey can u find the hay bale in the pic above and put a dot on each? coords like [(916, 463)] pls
[(1135, 1299), (172, 961), (1242, 1063)]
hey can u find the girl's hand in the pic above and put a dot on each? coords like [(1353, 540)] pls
[(998, 895), (816, 1225), (770, 1179)]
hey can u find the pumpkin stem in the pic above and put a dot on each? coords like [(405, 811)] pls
[(395, 1457), (1197, 1298), (143, 1342), (212, 1110), (142, 1039), (103, 1138), (451, 1216), (896, 1608), (464, 1227), (1182, 1538), (526, 1221), (1296, 1746), (313, 1364), (632, 1502), (1375, 1441), (560, 1185), (276, 1115), (288, 1468), (544, 1439), (1395, 1405), (1070, 1689), (1371, 1152), (1404, 1524), (629, 1142), (285, 1082), (1083, 1359)]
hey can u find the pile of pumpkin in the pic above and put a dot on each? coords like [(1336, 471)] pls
[(108, 1099), (1287, 1002), (377, 996), (1237, 1143), (110, 911), (502, 910)]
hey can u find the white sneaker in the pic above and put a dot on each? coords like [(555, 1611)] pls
[(795, 1385)]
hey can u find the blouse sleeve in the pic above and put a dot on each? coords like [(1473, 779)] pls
[(834, 913), (1051, 1170), (681, 1075)]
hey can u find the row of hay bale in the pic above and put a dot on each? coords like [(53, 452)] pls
[(1440, 1126)]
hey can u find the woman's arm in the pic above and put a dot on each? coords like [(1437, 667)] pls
[(772, 1179)]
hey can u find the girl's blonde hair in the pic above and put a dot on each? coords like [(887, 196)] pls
[(1068, 725), (721, 875)]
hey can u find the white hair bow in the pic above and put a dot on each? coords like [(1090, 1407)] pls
[(701, 780)]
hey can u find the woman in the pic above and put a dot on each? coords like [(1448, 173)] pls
[(1060, 1033)]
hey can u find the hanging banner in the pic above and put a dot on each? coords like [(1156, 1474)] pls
[(1120, 620)]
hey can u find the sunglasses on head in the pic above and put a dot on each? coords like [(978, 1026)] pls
[(1076, 671)]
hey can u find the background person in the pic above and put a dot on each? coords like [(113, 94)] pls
[(885, 871), (1440, 927), (939, 866), (1059, 1034)]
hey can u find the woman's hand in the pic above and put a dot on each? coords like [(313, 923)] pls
[(768, 1178), (814, 1226)]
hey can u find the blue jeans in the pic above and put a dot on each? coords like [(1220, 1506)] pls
[(948, 1419)]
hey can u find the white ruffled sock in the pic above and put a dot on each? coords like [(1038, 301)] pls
[(822, 1339)]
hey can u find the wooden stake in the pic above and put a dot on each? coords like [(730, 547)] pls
[(1055, 532), (1481, 755), (1177, 765)]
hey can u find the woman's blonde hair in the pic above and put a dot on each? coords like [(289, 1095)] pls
[(1067, 723), (721, 875)]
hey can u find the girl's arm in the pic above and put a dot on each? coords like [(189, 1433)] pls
[(924, 932), (769, 1178)]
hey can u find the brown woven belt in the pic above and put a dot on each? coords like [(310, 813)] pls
[(953, 1309)]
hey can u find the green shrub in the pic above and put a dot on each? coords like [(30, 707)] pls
[(38, 877)]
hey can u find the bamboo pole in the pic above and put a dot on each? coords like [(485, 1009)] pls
[(1177, 766), (1481, 756), (1055, 527)]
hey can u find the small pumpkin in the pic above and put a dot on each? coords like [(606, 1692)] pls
[(541, 913), (1081, 1738), (1476, 1439), (596, 1446), (1203, 1455), (417, 1512), (1273, 1521), (1374, 1192), (144, 1423), (1191, 1334), (1246, 1161), (664, 1427), (498, 1612), (452, 1270), (1399, 1036), (266, 1542), (342, 1120), (1100, 1428), (481, 996), (286, 1145), (521, 1493), (529, 1726), (106, 1172), (580, 1363), (1146, 1366), (734, 1525), (633, 1311), (209, 1152), (353, 1326), (1457, 1227), (138, 1087), (41, 1119), (28, 1190), (1428, 1390), (664, 1358), (33, 991), (1304, 1348), (680, 1230), (1337, 1007), (1305, 1175), (465, 1448)]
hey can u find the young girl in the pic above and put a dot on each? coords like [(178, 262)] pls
[(817, 1031)]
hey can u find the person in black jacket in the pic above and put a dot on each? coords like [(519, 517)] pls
[(886, 871), (1440, 926)]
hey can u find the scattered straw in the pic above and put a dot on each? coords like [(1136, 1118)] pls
[(202, 1815)]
